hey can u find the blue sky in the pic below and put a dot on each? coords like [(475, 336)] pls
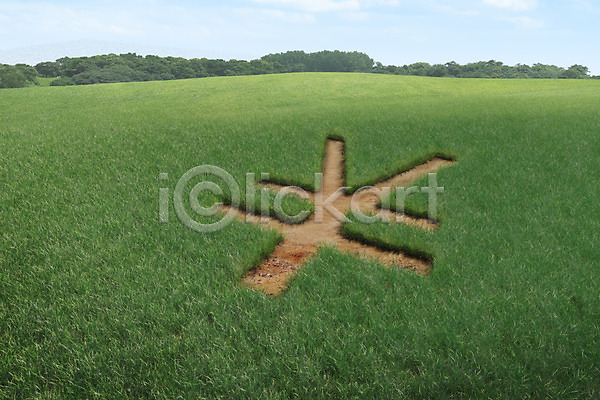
[(391, 31)]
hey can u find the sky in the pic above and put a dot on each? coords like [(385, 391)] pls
[(394, 32)]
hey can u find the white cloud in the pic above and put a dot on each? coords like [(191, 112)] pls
[(516, 5), (355, 16), (329, 5), (270, 15), (53, 20), (469, 13), (314, 5), (455, 11), (526, 22), (389, 3)]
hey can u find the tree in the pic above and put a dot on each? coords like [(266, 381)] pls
[(419, 69), (323, 61), (155, 66), (522, 71), (453, 69), (180, 68), (73, 66), (378, 68), (29, 72), (215, 67), (438, 70), (48, 69), (542, 71), (576, 72), (11, 77), (240, 67), (258, 67), (17, 76), (132, 67), (198, 68)]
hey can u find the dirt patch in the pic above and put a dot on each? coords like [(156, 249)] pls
[(272, 276), (301, 241)]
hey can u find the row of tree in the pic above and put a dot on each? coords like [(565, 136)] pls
[(131, 67), (322, 61), (486, 69), (16, 76)]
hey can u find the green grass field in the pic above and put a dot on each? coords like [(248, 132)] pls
[(99, 300), (45, 82)]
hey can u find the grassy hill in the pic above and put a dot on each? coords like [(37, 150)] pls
[(97, 299)]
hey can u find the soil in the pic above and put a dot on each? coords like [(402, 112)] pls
[(301, 241)]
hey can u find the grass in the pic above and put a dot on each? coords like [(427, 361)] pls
[(416, 203), (99, 300), (410, 241), (45, 82)]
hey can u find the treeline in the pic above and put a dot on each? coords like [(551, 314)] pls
[(134, 68), (322, 61), (17, 76), (487, 69), (131, 67)]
